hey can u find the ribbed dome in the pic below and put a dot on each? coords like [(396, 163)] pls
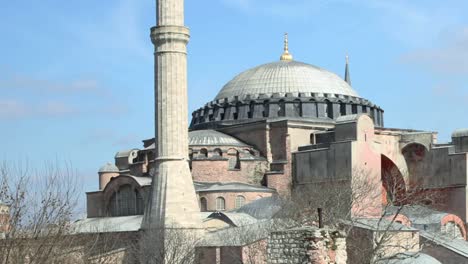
[(285, 77), (212, 138)]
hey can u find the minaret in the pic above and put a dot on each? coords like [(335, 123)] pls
[(173, 202), (347, 76)]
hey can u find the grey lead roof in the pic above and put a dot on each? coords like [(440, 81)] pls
[(284, 77), (109, 167), (418, 215), (108, 224), (409, 258), (460, 133), (229, 186), (458, 246), (264, 208), (213, 138), (210, 138), (237, 219)]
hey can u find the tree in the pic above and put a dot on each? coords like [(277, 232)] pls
[(41, 206), (166, 245), (363, 201)]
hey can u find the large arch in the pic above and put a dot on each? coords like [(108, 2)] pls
[(133, 183), (393, 182), (415, 154)]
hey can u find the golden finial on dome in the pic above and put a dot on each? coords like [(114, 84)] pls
[(286, 56)]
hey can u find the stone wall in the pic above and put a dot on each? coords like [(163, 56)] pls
[(211, 170), (306, 245)]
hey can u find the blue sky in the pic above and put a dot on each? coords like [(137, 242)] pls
[(76, 77)]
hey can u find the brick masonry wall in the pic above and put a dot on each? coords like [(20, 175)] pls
[(218, 171), (306, 245), (230, 198)]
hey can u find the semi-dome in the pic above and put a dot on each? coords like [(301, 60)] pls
[(283, 77), (108, 167), (463, 132), (213, 138)]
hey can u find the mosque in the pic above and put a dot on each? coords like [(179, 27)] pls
[(290, 128), (282, 125)]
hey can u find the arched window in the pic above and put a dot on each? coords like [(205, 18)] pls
[(203, 153), (220, 204), (126, 201), (236, 114), (240, 201), (378, 117), (223, 114), (249, 152), (282, 109), (217, 152), (251, 109), (354, 109), (297, 108), (342, 109), (371, 112), (266, 108), (203, 204), (312, 138), (329, 109), (452, 230), (234, 159)]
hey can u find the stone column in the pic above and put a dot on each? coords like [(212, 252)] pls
[(173, 202)]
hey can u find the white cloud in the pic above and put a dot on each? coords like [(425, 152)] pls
[(19, 82), (449, 57), (12, 109)]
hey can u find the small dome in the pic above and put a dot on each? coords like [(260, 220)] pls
[(213, 138), (460, 133), (108, 167), (285, 76)]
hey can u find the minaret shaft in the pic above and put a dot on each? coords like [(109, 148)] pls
[(172, 202), (170, 13)]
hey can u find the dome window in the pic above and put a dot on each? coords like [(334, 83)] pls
[(354, 109), (203, 153), (203, 204), (329, 109), (240, 201), (266, 108), (234, 160), (342, 109), (220, 204), (282, 109), (297, 106)]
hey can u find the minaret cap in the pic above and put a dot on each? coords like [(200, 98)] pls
[(347, 77), (286, 56)]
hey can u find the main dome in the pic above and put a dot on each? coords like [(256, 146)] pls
[(283, 77)]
